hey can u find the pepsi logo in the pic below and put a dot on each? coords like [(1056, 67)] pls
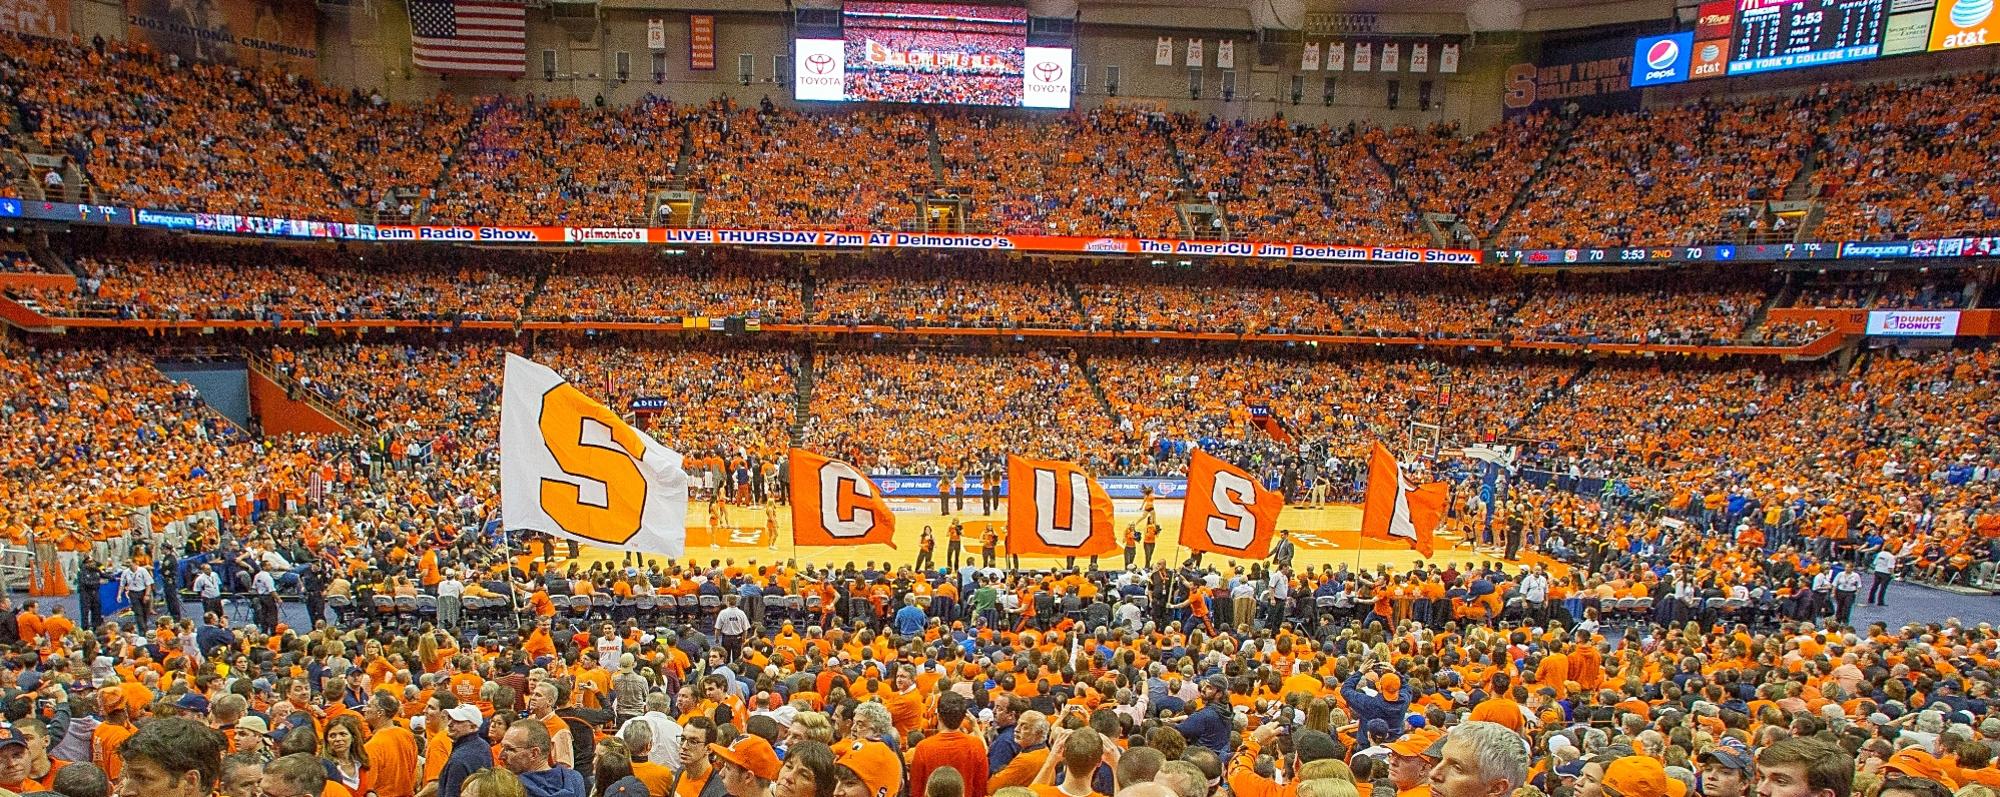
[(1048, 71), (1662, 54), (819, 63)]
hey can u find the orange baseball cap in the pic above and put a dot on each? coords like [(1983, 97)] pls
[(110, 699), (752, 753), (1916, 763), (1389, 684), (1641, 776), (875, 765), (1415, 743)]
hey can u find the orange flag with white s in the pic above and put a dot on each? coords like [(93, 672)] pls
[(1055, 509), (834, 504), (1227, 512), (1395, 509)]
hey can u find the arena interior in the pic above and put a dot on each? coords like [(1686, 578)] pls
[(1684, 304)]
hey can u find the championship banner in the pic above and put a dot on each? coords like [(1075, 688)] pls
[(834, 504), (1391, 56), (48, 19), (1397, 510), (1163, 53), (701, 41), (1420, 58), (1309, 62), (1225, 54), (1336, 56), (656, 34), (1055, 509), (570, 468), (1227, 511), (282, 34), (1448, 59), (1194, 52), (1362, 56)]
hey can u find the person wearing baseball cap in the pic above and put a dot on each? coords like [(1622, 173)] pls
[(1726, 769), (1640, 776), (867, 769), (748, 766), (14, 761), (112, 732), (470, 751), (1914, 762), (1411, 759)]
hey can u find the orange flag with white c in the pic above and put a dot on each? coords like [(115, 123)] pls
[(833, 503)]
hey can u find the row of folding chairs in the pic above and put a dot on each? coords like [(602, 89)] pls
[(687, 607)]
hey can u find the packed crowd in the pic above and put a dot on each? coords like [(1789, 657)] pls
[(1890, 160)]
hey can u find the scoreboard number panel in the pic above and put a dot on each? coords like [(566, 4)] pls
[(1789, 34)]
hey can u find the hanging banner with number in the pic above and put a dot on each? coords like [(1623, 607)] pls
[(656, 34), (1363, 53), (571, 468), (1055, 509), (1227, 511), (1336, 57), (1390, 53), (1194, 52), (1310, 61), (1448, 59), (1420, 58), (834, 504), (1163, 53), (1225, 54)]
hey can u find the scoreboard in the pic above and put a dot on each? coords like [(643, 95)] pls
[(1788, 34)]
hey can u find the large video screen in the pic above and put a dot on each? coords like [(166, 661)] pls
[(933, 53)]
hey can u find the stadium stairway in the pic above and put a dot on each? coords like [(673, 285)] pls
[(802, 390), (1097, 389), (1439, 238), (1490, 236), (314, 156), (1549, 395), (1778, 298), (936, 149), (283, 406)]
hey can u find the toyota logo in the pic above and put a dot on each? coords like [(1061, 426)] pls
[(819, 63), (1048, 72)]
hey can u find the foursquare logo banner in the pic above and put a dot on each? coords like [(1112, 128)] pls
[(1658, 60)]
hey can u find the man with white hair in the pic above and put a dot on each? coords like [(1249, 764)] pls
[(1480, 759), (665, 732)]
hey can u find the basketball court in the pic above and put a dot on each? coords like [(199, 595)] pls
[(1330, 535)]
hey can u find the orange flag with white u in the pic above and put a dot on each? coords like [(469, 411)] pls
[(1395, 509), (1055, 509), (833, 503), (1227, 512)]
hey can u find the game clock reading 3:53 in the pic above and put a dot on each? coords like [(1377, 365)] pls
[(1788, 34)]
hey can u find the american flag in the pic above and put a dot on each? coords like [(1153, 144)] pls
[(469, 37)]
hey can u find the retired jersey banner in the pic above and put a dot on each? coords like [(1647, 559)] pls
[(1309, 62), (1363, 57), (1225, 54), (656, 34), (1227, 511), (1163, 53), (1194, 52), (1391, 56), (834, 504), (278, 34), (1336, 57), (1055, 509), (1448, 59), (571, 468), (48, 19), (1420, 58)]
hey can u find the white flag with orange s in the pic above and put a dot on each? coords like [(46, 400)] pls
[(571, 468)]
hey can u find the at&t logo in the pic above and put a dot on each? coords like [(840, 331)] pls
[(1970, 15)]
